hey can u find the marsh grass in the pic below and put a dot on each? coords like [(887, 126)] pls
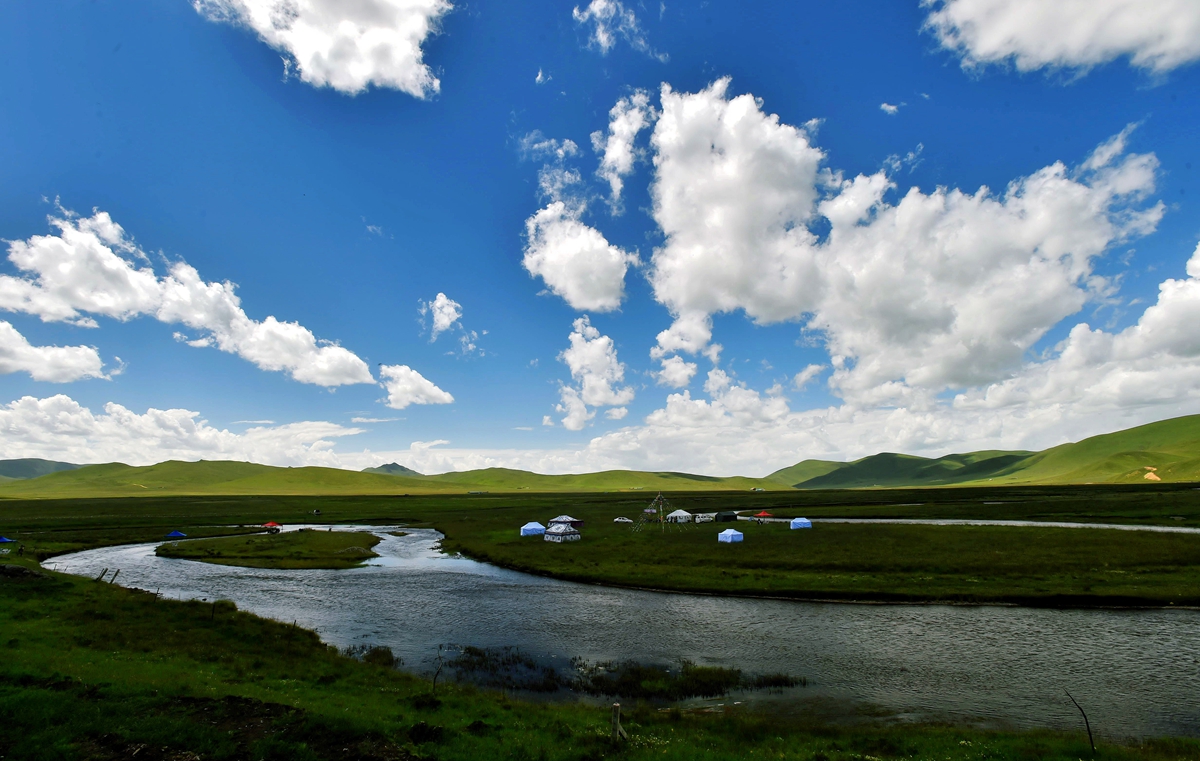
[(95, 671), (291, 549)]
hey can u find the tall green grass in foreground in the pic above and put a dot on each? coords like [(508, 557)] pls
[(94, 671)]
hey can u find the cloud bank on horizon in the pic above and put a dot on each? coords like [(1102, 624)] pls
[(770, 299)]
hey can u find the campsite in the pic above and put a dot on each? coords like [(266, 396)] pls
[(830, 561), (600, 380)]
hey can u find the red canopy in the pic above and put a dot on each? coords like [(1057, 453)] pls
[(272, 524), (763, 514)]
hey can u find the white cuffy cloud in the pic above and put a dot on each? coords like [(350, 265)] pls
[(59, 428), (88, 268), (734, 189), (444, 313), (406, 386), (1156, 35), (806, 376), (573, 259), (626, 119), (676, 372), (597, 373), (936, 291), (55, 364), (348, 46), (610, 20)]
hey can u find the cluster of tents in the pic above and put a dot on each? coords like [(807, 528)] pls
[(733, 535), (271, 526), (564, 528)]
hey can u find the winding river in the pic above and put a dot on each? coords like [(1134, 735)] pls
[(1137, 673)]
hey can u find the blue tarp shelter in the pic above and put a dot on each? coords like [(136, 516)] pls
[(533, 528), (6, 540), (801, 523), (176, 535), (729, 535)]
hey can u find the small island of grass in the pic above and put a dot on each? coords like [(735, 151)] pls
[(292, 549)]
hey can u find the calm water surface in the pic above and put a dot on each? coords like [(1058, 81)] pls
[(1136, 672)]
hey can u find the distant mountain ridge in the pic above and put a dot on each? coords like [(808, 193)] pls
[(888, 469), (32, 467), (393, 469), (1166, 451)]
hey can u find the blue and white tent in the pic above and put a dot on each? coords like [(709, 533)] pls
[(801, 523), (533, 528), (6, 540), (729, 535), (176, 535)]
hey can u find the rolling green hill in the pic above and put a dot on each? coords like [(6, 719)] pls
[(393, 469), (224, 477), (212, 477), (805, 470), (31, 467), (896, 470), (1168, 451), (504, 479)]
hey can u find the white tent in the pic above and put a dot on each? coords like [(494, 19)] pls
[(622, 519), (679, 516), (566, 520), (801, 523), (533, 528), (729, 535), (562, 532)]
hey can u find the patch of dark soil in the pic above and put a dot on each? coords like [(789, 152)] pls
[(250, 725), (425, 702), (11, 571), (422, 732), (479, 728)]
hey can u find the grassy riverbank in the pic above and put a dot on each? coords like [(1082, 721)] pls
[(94, 671), (291, 549), (1035, 566), (1040, 566)]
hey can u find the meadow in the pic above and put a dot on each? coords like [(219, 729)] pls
[(1042, 566), (294, 549), (92, 670), (95, 671)]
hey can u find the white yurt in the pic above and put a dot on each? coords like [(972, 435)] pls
[(565, 520), (679, 516), (622, 519), (562, 532), (729, 535), (801, 523), (533, 528)]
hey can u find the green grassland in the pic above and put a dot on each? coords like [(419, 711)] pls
[(888, 563), (241, 478), (1163, 452), (1041, 566), (1168, 449), (292, 549), (94, 671)]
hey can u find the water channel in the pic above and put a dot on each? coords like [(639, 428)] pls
[(1137, 672)]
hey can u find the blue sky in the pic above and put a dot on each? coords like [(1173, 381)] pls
[(339, 196)]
